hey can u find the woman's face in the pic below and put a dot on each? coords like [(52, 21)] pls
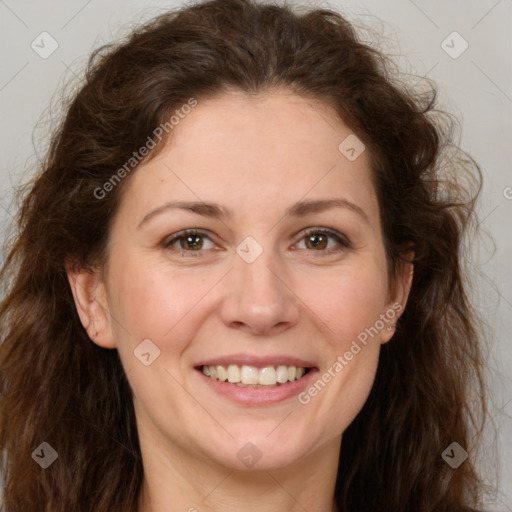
[(285, 270)]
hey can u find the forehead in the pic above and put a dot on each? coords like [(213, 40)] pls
[(245, 151)]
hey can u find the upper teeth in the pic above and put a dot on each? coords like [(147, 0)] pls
[(267, 376)]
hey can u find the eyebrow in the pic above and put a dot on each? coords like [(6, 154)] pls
[(216, 211)]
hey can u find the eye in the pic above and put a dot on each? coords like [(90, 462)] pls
[(324, 240), (191, 242), (188, 241)]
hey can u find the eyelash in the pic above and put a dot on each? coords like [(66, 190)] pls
[(343, 241)]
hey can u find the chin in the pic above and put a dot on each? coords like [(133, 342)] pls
[(259, 452)]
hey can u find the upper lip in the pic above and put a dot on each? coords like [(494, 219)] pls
[(254, 360)]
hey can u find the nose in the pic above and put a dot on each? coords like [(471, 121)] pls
[(258, 299)]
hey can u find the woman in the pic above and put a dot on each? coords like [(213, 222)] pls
[(237, 282)]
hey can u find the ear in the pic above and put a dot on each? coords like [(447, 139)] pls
[(398, 294), (91, 304)]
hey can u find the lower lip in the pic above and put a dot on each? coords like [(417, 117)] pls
[(259, 396)]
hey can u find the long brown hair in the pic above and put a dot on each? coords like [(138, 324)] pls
[(60, 388)]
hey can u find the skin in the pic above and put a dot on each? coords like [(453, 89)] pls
[(256, 156)]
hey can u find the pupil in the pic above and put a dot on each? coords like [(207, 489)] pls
[(317, 241), (190, 242)]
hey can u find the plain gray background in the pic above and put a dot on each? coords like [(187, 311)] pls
[(475, 86)]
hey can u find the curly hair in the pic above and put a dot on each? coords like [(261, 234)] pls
[(58, 386)]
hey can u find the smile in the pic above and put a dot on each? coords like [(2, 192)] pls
[(254, 377)]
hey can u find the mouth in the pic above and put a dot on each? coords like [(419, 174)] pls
[(248, 376), (254, 380)]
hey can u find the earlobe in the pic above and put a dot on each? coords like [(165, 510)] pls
[(91, 305)]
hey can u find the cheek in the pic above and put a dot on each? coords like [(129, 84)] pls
[(152, 302), (348, 302), (350, 388), (350, 307)]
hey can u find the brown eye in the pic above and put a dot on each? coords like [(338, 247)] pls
[(322, 240), (188, 241), (191, 242), (316, 241)]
